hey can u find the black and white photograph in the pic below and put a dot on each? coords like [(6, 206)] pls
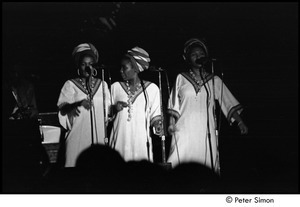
[(150, 98)]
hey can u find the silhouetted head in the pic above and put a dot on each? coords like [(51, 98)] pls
[(99, 157), (194, 178)]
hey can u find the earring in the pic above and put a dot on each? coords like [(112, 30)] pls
[(78, 72), (96, 72)]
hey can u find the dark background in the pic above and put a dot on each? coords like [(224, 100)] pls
[(255, 44)]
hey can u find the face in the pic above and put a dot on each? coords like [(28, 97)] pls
[(194, 54), (87, 61), (128, 72)]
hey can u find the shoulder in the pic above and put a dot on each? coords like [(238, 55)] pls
[(98, 80), (73, 81), (149, 84), (117, 83), (216, 78), (183, 74), (181, 77), (70, 83)]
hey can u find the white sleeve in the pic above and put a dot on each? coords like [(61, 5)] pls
[(155, 112), (174, 100), (66, 97), (229, 104)]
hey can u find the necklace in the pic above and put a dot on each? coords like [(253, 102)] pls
[(130, 98), (198, 82), (83, 83)]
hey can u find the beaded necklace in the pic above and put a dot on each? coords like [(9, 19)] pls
[(198, 82), (130, 98), (84, 85)]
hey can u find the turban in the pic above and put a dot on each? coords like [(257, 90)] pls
[(139, 57), (85, 49), (194, 41)]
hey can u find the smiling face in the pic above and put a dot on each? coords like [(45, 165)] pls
[(128, 71), (87, 61)]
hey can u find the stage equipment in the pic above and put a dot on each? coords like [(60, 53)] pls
[(51, 134), (163, 132)]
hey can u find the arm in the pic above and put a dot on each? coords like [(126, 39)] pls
[(119, 106), (230, 106), (72, 109), (116, 106), (174, 106), (172, 128), (68, 105), (240, 123), (155, 113)]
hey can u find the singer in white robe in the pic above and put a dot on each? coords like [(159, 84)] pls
[(83, 105), (192, 110), (131, 138), (138, 109), (79, 134)]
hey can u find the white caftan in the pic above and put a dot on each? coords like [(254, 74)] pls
[(191, 109), (130, 137), (78, 136)]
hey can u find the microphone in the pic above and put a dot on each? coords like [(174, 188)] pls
[(89, 69), (155, 69), (204, 60)]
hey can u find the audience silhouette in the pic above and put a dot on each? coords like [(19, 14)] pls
[(101, 169)]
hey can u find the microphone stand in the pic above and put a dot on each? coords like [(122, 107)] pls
[(110, 111), (104, 109), (169, 94), (162, 122), (87, 82), (208, 125), (214, 107), (147, 121), (164, 162)]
